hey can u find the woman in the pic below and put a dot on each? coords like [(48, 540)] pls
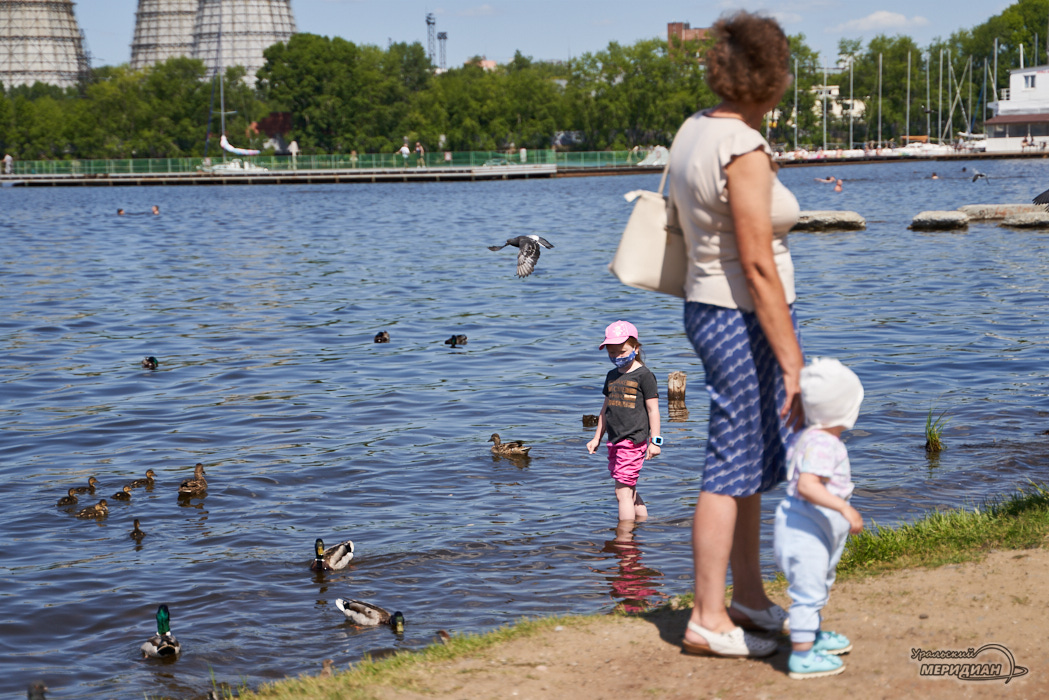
[(739, 293)]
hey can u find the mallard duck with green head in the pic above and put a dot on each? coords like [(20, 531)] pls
[(150, 362), (196, 484), (99, 510), (163, 644), (336, 557), (367, 615), (147, 482), (512, 448), (90, 488), (70, 500)]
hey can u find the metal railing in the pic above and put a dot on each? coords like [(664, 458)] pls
[(341, 161)]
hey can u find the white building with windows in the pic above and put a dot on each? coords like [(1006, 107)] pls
[(1021, 113)]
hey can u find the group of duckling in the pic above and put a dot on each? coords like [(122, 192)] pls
[(193, 486), (455, 341)]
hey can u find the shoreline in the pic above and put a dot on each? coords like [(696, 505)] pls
[(948, 583), (434, 174)]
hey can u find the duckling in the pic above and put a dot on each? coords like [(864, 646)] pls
[(326, 671), (367, 615), (147, 482), (443, 637), (195, 485), (99, 510), (163, 643), (513, 448), (70, 500), (90, 488), (382, 337), (122, 495), (456, 340), (36, 691), (150, 362), (589, 421), (333, 558), (136, 534)]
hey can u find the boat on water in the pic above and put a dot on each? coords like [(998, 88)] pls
[(234, 166)]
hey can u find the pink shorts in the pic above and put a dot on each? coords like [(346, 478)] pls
[(625, 459)]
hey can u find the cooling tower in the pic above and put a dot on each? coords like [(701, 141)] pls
[(40, 41), (163, 29), (235, 32)]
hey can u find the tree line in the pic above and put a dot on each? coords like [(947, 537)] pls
[(343, 96)]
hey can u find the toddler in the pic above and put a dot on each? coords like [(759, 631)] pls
[(630, 416), (815, 518)]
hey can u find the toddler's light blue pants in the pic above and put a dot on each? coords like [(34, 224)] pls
[(809, 540)]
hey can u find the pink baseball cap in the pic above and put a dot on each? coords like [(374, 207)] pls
[(618, 332)]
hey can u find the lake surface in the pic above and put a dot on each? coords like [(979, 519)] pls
[(260, 304)]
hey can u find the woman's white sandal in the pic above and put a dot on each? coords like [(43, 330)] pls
[(736, 644)]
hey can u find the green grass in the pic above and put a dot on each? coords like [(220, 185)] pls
[(934, 432), (1020, 521)]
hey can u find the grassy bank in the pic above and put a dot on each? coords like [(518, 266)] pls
[(1020, 521)]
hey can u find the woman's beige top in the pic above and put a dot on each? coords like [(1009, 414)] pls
[(703, 148)]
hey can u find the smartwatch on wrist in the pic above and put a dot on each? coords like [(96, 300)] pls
[(657, 441)]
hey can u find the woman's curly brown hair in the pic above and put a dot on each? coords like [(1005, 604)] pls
[(750, 59)]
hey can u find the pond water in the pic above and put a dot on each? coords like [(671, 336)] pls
[(261, 303)]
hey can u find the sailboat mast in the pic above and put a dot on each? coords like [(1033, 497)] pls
[(222, 79)]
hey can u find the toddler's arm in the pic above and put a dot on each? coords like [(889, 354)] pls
[(811, 488), (591, 446), (652, 406)]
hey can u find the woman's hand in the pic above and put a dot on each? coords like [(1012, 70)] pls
[(793, 413)]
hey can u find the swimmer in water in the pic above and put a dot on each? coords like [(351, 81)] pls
[(120, 212), (837, 186), (829, 179), (156, 210), (934, 177)]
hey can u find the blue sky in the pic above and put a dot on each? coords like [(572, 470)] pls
[(557, 29)]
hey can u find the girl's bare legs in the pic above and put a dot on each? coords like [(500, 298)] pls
[(723, 529), (631, 507)]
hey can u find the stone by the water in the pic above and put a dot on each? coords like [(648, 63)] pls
[(1030, 219), (939, 221), (830, 220), (986, 212)]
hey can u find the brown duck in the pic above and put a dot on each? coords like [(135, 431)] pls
[(513, 448), (90, 488), (122, 495), (147, 482), (99, 510), (195, 485), (70, 500)]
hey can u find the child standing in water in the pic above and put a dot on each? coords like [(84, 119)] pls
[(630, 416), (814, 520)]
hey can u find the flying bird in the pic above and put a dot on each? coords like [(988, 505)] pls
[(1043, 199), (977, 175), (527, 251)]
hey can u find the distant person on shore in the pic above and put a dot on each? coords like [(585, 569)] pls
[(405, 154), (353, 158), (9, 164), (837, 186), (155, 210), (739, 317), (420, 155), (630, 416), (815, 518)]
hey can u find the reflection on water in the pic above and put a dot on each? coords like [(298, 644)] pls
[(262, 304), (633, 585)]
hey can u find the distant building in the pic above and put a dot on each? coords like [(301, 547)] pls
[(680, 32), (1021, 111), (837, 107), (483, 63), (40, 41), (163, 30)]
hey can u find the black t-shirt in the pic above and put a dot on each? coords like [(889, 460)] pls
[(626, 417)]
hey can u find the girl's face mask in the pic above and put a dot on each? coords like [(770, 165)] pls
[(625, 360)]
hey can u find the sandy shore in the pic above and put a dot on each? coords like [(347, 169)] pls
[(1001, 600)]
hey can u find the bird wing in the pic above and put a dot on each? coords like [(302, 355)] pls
[(340, 555), (527, 256), (361, 613), (1043, 198), (545, 242), (497, 247)]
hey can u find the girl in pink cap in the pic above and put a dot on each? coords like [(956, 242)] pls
[(630, 416)]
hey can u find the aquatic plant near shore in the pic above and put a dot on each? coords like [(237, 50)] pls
[(934, 432)]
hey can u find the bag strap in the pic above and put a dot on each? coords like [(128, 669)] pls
[(663, 180)]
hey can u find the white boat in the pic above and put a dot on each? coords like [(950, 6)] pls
[(235, 166)]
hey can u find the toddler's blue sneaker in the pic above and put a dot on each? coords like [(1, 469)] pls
[(813, 665), (831, 643)]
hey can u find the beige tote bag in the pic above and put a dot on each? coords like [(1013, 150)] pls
[(651, 253)]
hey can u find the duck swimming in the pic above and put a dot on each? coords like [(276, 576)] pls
[(382, 337), (70, 500), (367, 615), (336, 557), (136, 534), (589, 421), (147, 482), (99, 510), (150, 362), (195, 485), (163, 643), (90, 488), (513, 448), (527, 251), (122, 495), (456, 341)]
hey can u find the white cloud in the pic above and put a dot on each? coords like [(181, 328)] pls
[(484, 10), (787, 17), (882, 19)]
